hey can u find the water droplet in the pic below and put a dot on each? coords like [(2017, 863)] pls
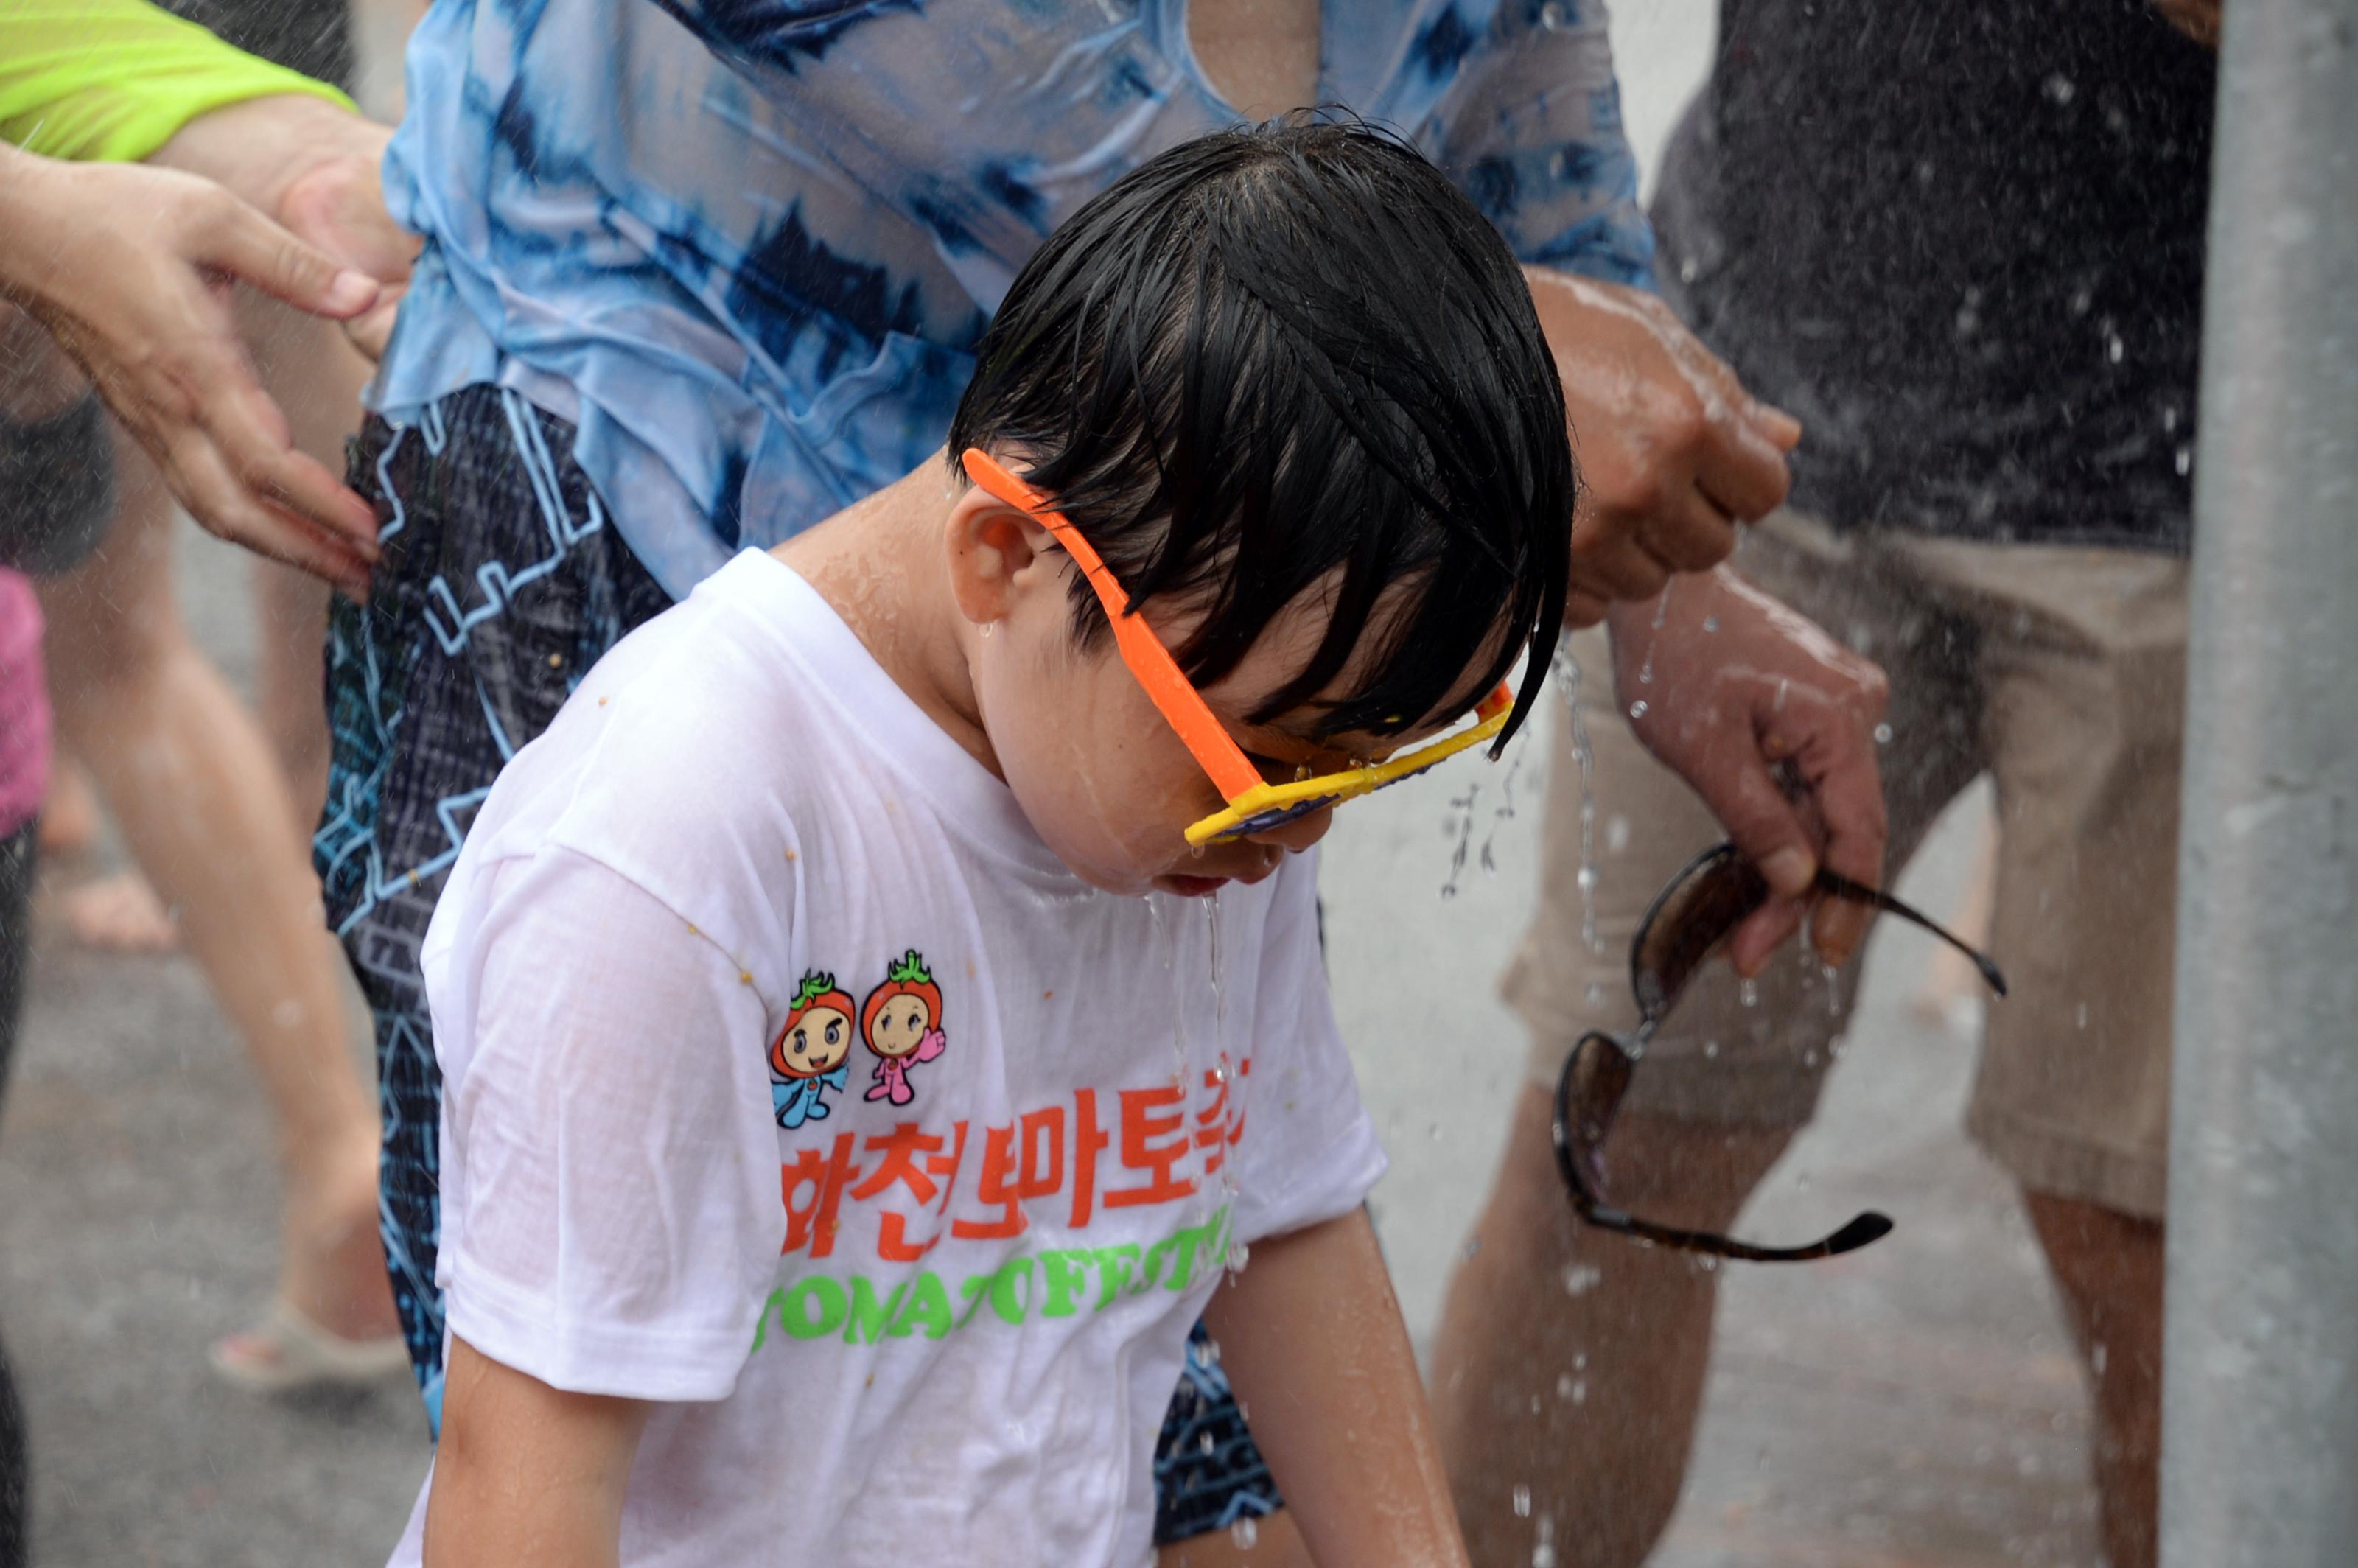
[(2084, 1015), (2097, 1358), (1595, 993), (1563, 1387), (1432, 1131), (1802, 1182), (1710, 622), (1883, 734), (1556, 15), (1522, 1501), (1244, 1532), (2060, 89), (1638, 708), (1709, 1050), (1579, 1279), (1579, 1360), (1585, 880), (1748, 993), (2185, 458)]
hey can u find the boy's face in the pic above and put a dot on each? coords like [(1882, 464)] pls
[(1101, 774)]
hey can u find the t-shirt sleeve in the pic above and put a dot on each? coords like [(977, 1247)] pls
[(1308, 1152), (609, 1138)]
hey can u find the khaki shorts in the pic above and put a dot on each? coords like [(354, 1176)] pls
[(2060, 672)]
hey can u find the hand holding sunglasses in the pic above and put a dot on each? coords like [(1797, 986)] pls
[(1687, 922)]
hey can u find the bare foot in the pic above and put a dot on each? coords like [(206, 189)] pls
[(119, 913), (334, 1321), (332, 1259)]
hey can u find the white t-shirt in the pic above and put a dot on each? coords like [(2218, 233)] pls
[(921, 1303)]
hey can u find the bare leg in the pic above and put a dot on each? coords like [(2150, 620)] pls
[(1570, 1366), (1951, 978), (205, 814), (315, 376), (2108, 1267)]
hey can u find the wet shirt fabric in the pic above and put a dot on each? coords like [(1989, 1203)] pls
[(748, 245), (1963, 244), (824, 1108)]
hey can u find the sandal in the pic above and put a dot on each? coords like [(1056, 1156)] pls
[(287, 1351)]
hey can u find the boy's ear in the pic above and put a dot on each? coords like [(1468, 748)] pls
[(996, 555)]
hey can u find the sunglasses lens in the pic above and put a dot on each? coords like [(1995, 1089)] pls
[(1596, 1079), (1700, 910), (1275, 816)]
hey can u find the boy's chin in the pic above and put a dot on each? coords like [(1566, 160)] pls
[(1190, 886)]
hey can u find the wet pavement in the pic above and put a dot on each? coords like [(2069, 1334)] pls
[(1915, 1404)]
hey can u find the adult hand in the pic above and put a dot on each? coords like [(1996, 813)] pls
[(1674, 452), (1772, 723), (128, 266), (316, 168)]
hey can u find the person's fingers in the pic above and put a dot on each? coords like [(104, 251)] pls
[(1691, 534), (253, 436), (1738, 789), (1740, 469), (1847, 788), (237, 240), (1619, 569), (370, 332), (1581, 607), (1764, 931), (1783, 431), (204, 481)]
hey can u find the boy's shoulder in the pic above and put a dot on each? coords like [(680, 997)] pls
[(691, 756)]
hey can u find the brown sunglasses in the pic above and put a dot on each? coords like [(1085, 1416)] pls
[(1687, 922)]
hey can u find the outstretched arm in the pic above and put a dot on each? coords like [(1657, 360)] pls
[(124, 266), (1312, 1339)]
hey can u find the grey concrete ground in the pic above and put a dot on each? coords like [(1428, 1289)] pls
[(1915, 1404)]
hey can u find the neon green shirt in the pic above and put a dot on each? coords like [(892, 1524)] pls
[(111, 80)]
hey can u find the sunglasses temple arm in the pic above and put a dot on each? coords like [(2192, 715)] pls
[(1840, 886), (1862, 1230)]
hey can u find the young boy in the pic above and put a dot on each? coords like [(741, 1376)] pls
[(848, 1117)]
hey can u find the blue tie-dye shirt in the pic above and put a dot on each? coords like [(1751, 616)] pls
[(747, 245)]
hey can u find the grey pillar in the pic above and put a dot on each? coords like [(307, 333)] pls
[(2260, 1448)]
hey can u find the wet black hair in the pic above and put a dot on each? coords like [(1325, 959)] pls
[(1283, 355)]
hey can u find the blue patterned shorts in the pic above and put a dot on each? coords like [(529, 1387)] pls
[(500, 585)]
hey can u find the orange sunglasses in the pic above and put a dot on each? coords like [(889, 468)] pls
[(1255, 804)]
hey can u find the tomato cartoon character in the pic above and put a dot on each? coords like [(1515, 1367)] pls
[(902, 1022), (809, 1051)]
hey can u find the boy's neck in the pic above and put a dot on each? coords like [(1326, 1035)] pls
[(878, 564)]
